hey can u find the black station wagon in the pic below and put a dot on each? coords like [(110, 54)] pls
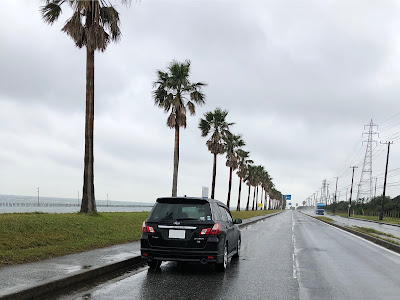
[(187, 229)]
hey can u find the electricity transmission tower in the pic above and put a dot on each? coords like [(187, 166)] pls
[(365, 186)]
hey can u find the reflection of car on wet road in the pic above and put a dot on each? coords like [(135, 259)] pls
[(190, 229)]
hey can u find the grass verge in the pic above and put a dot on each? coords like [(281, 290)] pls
[(326, 219), (28, 237)]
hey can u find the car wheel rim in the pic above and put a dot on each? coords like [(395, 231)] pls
[(238, 247)]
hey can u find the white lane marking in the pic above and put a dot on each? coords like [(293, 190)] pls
[(294, 256), (358, 237)]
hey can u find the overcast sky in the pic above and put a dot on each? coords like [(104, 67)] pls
[(299, 78)]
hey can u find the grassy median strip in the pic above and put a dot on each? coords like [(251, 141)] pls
[(28, 237), (326, 219)]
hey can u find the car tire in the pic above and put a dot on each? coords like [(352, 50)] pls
[(221, 267), (239, 244), (154, 264)]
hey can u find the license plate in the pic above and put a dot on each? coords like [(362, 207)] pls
[(176, 234)]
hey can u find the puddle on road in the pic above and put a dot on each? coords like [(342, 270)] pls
[(76, 268), (121, 256)]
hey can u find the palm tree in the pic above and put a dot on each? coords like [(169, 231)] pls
[(175, 93), (243, 167), (215, 122), (94, 24), (249, 179), (258, 170), (265, 184), (232, 143)]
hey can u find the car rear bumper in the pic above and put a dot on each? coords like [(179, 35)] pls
[(209, 252), (179, 255)]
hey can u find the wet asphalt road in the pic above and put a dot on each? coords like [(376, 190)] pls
[(288, 256)]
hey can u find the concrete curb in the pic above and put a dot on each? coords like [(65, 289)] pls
[(258, 219), (378, 241), (46, 287)]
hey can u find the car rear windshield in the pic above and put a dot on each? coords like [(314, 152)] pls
[(180, 210)]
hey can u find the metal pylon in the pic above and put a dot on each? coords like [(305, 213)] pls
[(364, 193)]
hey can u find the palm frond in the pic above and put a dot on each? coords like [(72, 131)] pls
[(51, 11), (74, 28), (110, 19)]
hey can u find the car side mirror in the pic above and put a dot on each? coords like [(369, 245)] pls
[(238, 221)]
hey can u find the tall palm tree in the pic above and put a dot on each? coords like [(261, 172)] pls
[(93, 25), (265, 183), (175, 94), (232, 143), (249, 179), (214, 122), (258, 171), (243, 168)]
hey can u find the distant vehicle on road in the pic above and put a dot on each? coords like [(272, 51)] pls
[(320, 209), (188, 229)]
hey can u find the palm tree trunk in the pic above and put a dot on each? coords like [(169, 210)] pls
[(176, 163), (269, 204), (265, 200), (230, 187), (261, 198), (88, 200), (254, 197), (240, 190), (248, 199), (214, 175), (257, 199)]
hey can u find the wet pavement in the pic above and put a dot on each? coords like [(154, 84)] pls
[(20, 276), (263, 271), (24, 276), (289, 256), (333, 264)]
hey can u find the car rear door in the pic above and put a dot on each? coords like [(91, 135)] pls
[(230, 229)]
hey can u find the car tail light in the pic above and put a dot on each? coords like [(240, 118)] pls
[(146, 228), (215, 230)]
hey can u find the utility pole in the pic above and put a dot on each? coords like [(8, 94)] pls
[(38, 204), (327, 193), (376, 181), (384, 183), (78, 198), (351, 189), (337, 178)]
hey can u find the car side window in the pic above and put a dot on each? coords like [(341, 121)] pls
[(216, 212), (228, 215), (223, 213)]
